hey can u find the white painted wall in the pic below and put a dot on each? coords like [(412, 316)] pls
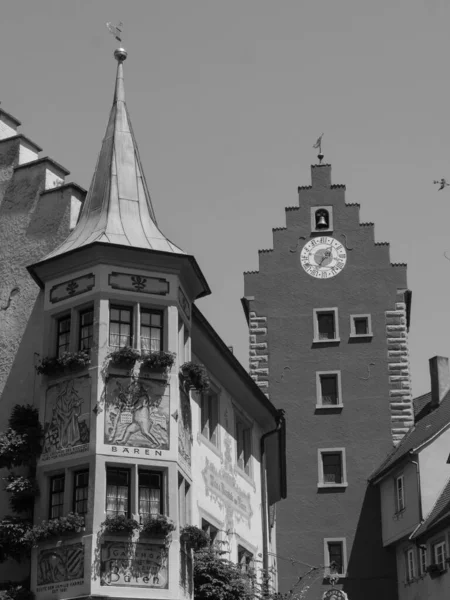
[(434, 470)]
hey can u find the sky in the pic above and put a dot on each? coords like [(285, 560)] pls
[(226, 101)]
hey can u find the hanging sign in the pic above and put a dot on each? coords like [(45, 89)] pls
[(334, 595)]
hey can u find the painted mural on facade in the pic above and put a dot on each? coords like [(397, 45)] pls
[(134, 565), (137, 413), (59, 565), (185, 428), (67, 409)]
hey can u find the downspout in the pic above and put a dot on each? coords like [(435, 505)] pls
[(281, 426)]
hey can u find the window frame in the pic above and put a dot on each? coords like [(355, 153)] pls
[(75, 488), (184, 501), (343, 542), (245, 553), (353, 333), (89, 309), (64, 317), (152, 310), (128, 470), (205, 424), (52, 493), (400, 502), (247, 468), (321, 483), (319, 404), (132, 310), (423, 560), (162, 507), (410, 560), (440, 543), (317, 339), (208, 527)]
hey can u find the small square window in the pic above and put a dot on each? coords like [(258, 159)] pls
[(335, 557), (329, 394), (332, 468), (410, 564), (440, 555), (399, 494), (360, 326), (326, 325)]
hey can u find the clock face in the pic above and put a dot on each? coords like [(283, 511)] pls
[(323, 257)]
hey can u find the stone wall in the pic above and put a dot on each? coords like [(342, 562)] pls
[(259, 357)]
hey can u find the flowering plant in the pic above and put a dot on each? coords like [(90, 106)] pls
[(194, 537), (158, 525), (73, 523), (67, 360), (158, 360), (120, 524), (195, 376), (124, 355), (23, 491)]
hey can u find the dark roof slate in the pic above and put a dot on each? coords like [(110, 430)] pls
[(439, 511), (419, 434), (422, 406)]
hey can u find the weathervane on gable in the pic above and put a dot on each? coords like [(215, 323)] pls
[(318, 145)]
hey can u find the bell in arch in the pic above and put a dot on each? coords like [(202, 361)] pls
[(322, 219)]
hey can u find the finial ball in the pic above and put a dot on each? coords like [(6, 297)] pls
[(120, 54)]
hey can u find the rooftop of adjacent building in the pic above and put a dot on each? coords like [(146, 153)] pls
[(432, 417), (439, 512)]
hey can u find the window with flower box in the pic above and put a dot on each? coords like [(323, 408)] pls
[(80, 491), (56, 504), (150, 494), (63, 335), (440, 554), (151, 332), (117, 492), (86, 329), (120, 326)]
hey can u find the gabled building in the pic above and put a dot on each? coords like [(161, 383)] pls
[(414, 488), (328, 321), (124, 438)]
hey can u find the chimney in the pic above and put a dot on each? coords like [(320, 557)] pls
[(440, 379)]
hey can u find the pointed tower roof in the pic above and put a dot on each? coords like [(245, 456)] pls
[(118, 209)]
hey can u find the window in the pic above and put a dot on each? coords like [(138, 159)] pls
[(326, 326), (86, 329), (117, 492), (422, 559), (211, 531), (332, 468), (245, 559), (56, 497), (335, 556), (120, 326), (151, 330), (80, 492), (400, 493), (410, 565), (328, 384), (63, 337), (360, 326), (184, 501), (150, 494), (209, 410), (243, 445), (439, 555)]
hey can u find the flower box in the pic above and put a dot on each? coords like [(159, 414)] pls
[(194, 376), (158, 526), (68, 361), (124, 358), (194, 537), (54, 528), (160, 362), (119, 525)]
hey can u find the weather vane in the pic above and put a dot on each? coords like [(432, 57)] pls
[(442, 183), (116, 30), (318, 145)]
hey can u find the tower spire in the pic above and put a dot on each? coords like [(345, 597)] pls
[(118, 208)]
